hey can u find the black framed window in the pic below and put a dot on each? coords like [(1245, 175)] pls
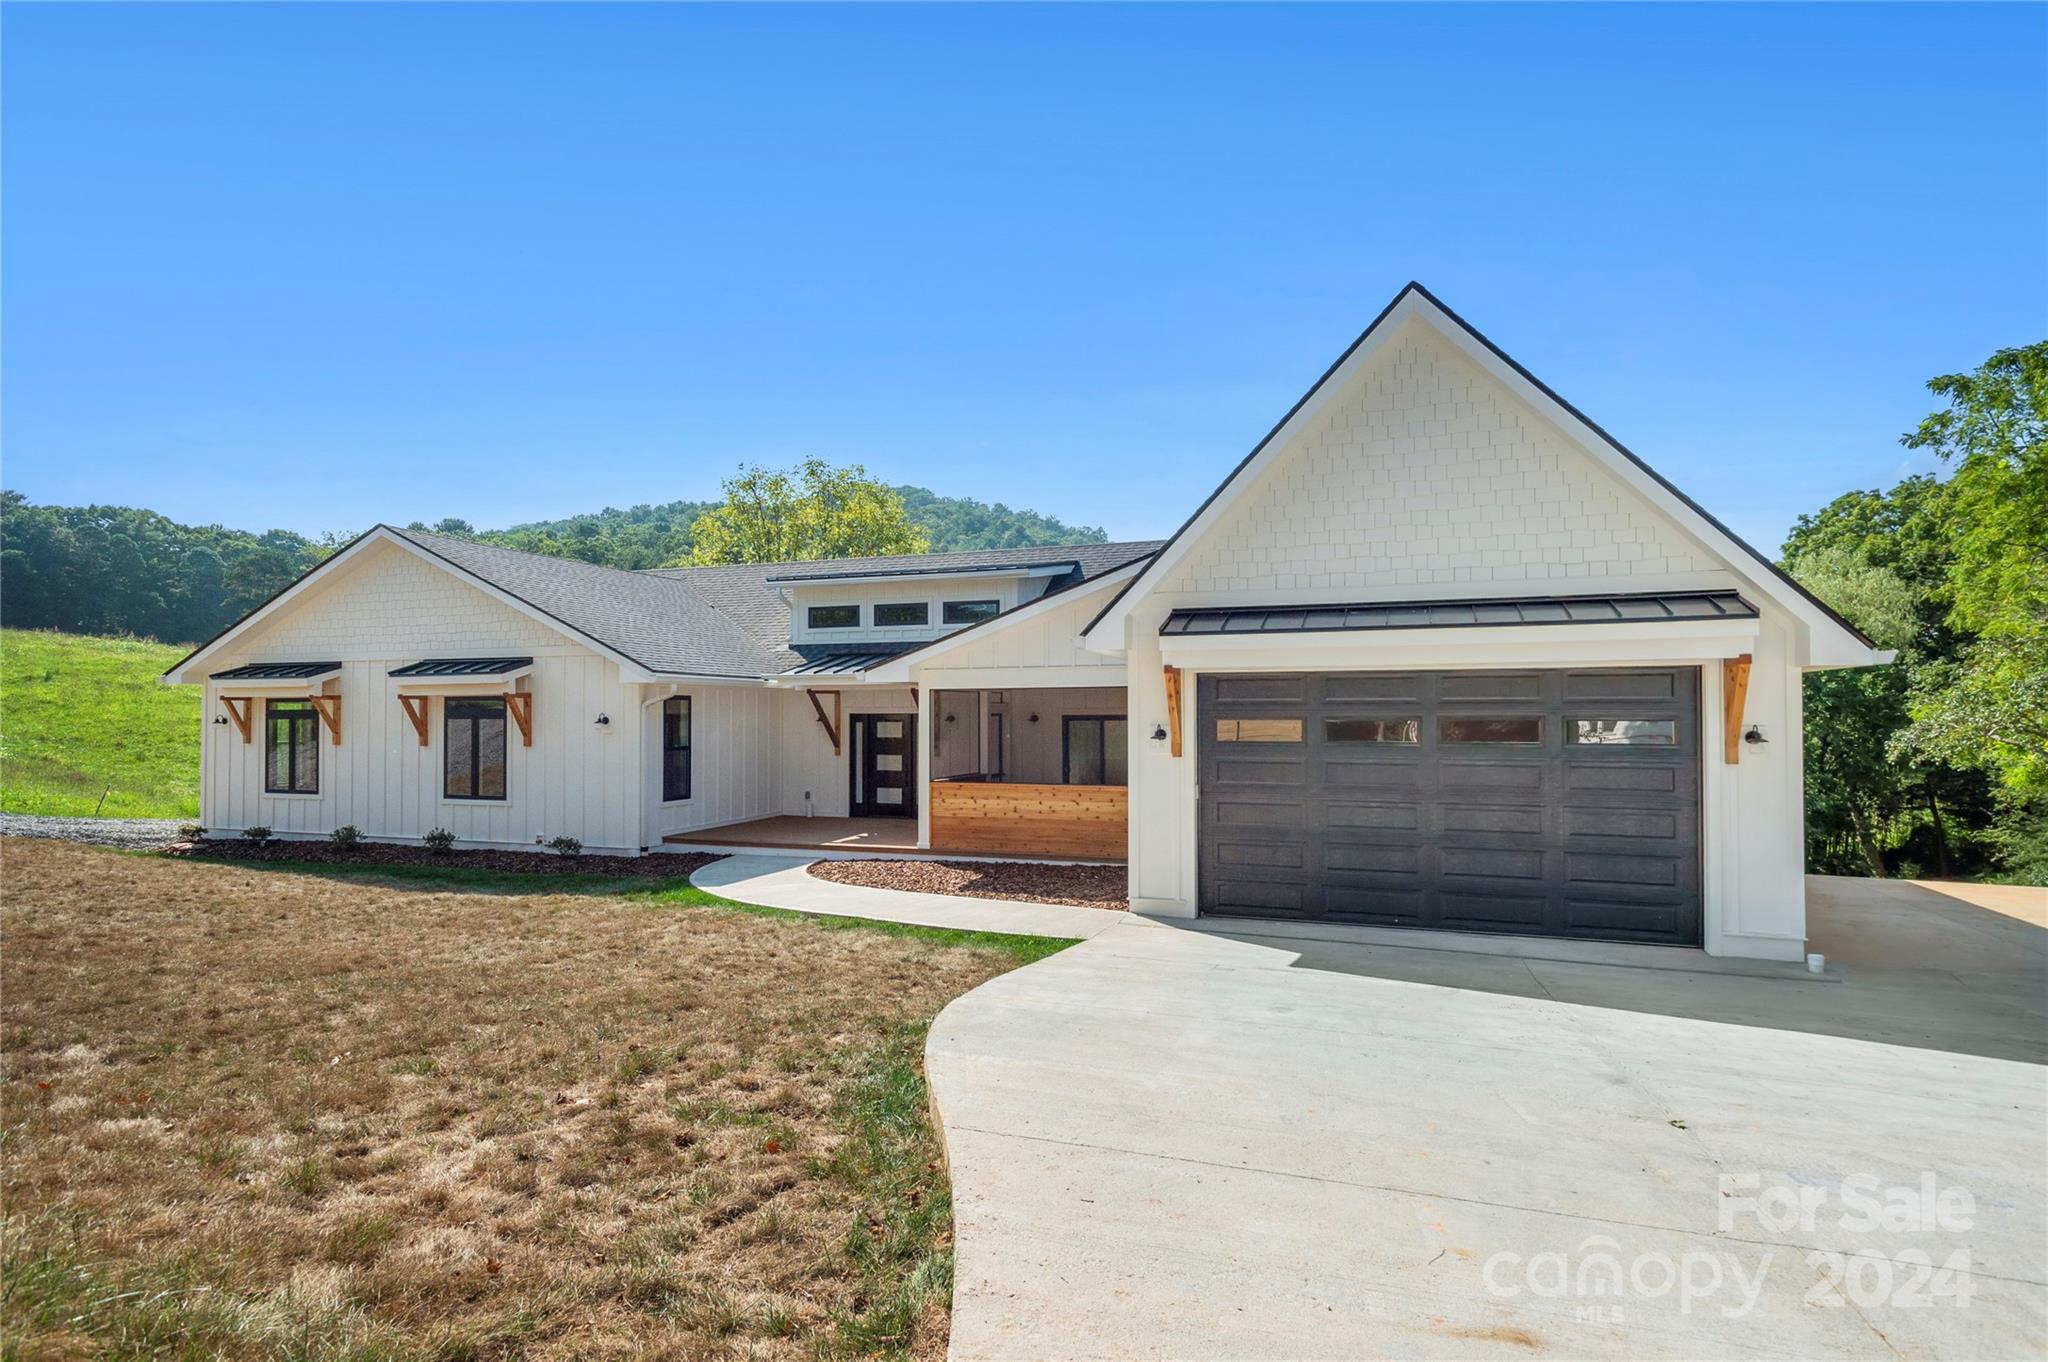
[(1095, 749), (834, 617), (901, 613), (291, 747), (473, 749), (675, 747), (971, 612)]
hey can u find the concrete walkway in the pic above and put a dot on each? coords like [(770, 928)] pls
[(782, 882), (1189, 1144)]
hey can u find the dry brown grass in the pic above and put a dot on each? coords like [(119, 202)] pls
[(251, 1113)]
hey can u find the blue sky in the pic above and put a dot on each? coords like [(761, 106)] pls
[(319, 266)]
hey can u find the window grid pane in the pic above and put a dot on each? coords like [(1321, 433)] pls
[(1116, 752), (971, 612), (834, 617), (901, 614)]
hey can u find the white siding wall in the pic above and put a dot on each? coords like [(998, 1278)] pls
[(732, 758), (803, 753), (1425, 479), (390, 609), (1051, 640), (1423, 472)]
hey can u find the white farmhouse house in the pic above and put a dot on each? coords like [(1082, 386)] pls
[(1438, 653)]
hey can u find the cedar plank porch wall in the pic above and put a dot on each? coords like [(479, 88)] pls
[(1030, 820)]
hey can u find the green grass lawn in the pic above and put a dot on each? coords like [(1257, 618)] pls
[(79, 715)]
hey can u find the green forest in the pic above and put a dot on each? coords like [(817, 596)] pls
[(1934, 766), (117, 570)]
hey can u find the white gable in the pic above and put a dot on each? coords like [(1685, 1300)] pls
[(1426, 463), (391, 603), (1421, 471)]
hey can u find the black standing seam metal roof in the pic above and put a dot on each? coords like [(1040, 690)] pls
[(1416, 288), (276, 671), (1492, 613), (841, 664), (463, 666)]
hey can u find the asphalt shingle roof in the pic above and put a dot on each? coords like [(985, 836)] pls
[(714, 621)]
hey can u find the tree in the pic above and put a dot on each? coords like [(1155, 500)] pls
[(1856, 794), (769, 516), (1983, 707)]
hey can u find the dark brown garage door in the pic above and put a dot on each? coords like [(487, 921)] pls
[(1553, 803)]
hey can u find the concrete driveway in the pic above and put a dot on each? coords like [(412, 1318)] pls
[(1191, 1144)]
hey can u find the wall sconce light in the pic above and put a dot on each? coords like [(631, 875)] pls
[(1755, 737), (604, 720), (1159, 733), (1034, 718), (221, 719)]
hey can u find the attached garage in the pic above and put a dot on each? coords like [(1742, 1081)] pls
[(1553, 803)]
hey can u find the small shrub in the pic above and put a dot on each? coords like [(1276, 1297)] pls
[(566, 847), (440, 841), (258, 834), (190, 832), (346, 837)]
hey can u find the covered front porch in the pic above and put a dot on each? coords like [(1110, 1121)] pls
[(1036, 773)]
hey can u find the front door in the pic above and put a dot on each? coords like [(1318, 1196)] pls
[(884, 766)]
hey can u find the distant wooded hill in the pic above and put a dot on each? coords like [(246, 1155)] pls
[(121, 570)]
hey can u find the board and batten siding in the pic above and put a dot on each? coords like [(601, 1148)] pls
[(804, 759), (578, 779), (732, 757)]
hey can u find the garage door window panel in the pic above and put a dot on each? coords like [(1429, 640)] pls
[(1518, 732), (1621, 732), (1405, 731), (1259, 730)]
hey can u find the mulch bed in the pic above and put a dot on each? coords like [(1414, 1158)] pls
[(1086, 886), (661, 867)]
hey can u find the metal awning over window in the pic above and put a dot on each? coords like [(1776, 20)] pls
[(840, 664), (843, 659), (483, 668), (1690, 606), (277, 671)]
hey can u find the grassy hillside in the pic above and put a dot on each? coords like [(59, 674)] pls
[(78, 715)]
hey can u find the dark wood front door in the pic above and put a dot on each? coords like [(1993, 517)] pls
[(884, 766)]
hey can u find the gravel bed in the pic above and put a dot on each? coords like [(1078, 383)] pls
[(1086, 886), (653, 867), (136, 834)]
